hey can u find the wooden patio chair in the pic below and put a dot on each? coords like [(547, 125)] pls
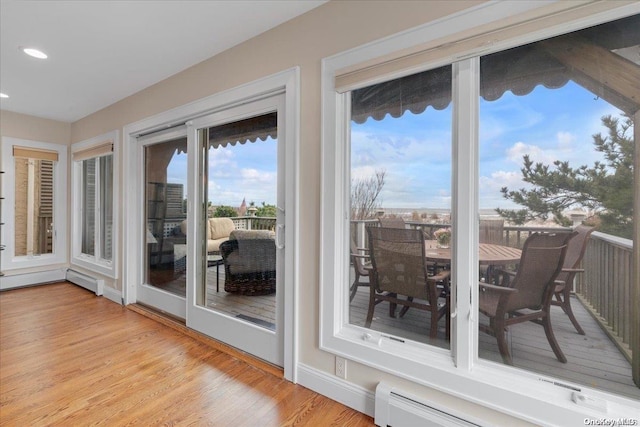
[(573, 258), (391, 222), (399, 267), (360, 260), (491, 231), (531, 289)]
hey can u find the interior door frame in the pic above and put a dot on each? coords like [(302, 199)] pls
[(287, 82)]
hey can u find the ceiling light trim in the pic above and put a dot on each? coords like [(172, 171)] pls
[(34, 53)]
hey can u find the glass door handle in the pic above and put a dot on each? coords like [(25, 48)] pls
[(279, 227)]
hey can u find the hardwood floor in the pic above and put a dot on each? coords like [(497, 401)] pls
[(68, 358)]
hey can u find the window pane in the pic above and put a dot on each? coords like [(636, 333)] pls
[(241, 196), (88, 206), (33, 206), (400, 202), (557, 148), (166, 225), (106, 207)]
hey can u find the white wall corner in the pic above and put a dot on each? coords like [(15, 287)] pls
[(349, 394), (113, 294)]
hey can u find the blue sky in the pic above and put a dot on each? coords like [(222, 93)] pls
[(415, 150), (235, 173)]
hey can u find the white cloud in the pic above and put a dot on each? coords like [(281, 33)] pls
[(257, 176), (536, 154), (499, 179), (565, 140), (363, 172), (490, 196)]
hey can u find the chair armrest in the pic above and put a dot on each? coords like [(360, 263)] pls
[(499, 289), (494, 299), (511, 273), (503, 277), (444, 274), (573, 270)]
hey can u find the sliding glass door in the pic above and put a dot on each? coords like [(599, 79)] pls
[(239, 221), (164, 278)]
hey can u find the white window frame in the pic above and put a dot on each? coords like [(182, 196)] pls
[(93, 262), (59, 255), (457, 372)]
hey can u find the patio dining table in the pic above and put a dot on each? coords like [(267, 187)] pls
[(489, 254)]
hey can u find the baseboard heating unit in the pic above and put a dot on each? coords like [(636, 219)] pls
[(395, 408), (86, 281)]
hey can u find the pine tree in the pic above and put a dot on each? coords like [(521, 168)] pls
[(606, 188)]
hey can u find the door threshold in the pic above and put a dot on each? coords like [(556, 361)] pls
[(180, 326)]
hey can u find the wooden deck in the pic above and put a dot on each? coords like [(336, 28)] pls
[(593, 359), (260, 310)]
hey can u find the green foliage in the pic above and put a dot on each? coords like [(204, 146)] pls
[(266, 211), (606, 188), (225, 211)]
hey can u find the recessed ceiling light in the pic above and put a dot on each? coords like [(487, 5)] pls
[(3, 95), (34, 52)]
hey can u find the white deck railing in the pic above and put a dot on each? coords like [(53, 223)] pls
[(254, 223), (606, 285)]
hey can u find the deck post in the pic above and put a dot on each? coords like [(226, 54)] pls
[(635, 290)]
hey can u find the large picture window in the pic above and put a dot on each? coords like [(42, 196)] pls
[(34, 208), (444, 174), (97, 205), (93, 177)]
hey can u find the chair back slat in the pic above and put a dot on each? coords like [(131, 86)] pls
[(398, 260), (576, 249), (491, 231), (392, 222), (541, 261)]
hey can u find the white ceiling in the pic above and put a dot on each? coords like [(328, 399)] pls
[(103, 51)]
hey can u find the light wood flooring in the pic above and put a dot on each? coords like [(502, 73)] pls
[(69, 358)]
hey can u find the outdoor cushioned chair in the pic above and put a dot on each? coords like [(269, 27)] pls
[(575, 252), (249, 258), (528, 296), (399, 267), (218, 231)]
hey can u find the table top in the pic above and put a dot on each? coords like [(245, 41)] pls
[(489, 254)]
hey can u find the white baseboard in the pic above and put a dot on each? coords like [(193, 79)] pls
[(353, 396), (29, 279), (112, 294)]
